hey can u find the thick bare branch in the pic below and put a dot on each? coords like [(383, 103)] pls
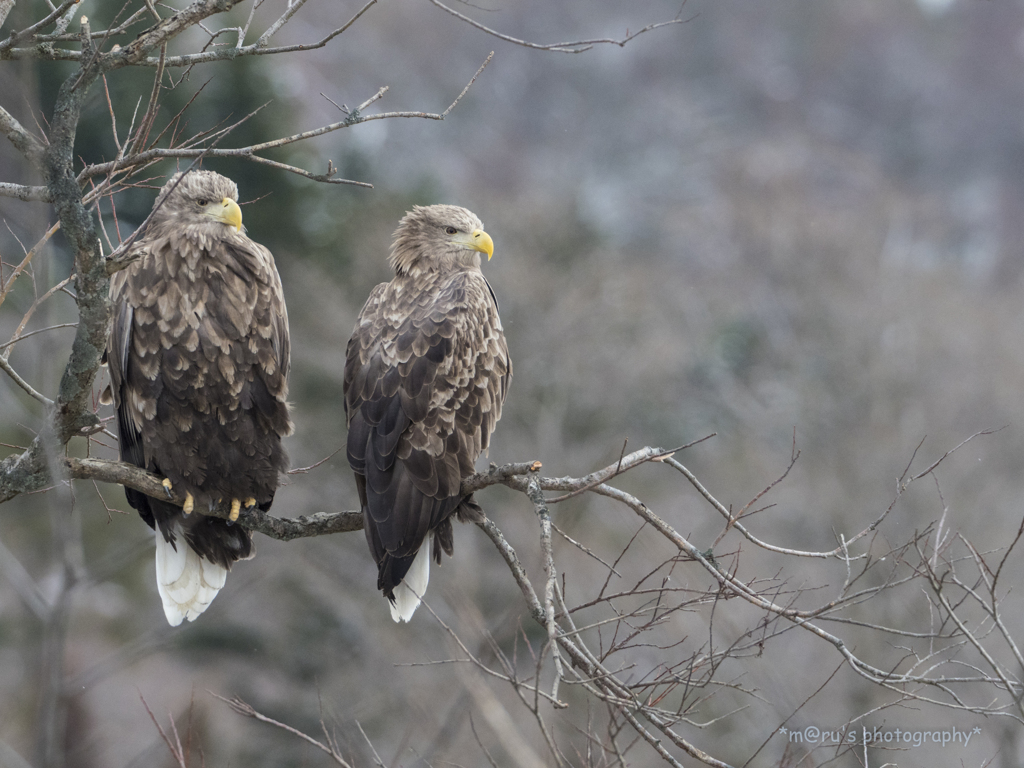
[(5, 8), (72, 414), (512, 475), (23, 141), (284, 529), (18, 37), (26, 193), (167, 29), (24, 472)]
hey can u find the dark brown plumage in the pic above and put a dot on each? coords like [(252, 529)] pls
[(199, 357), (426, 373)]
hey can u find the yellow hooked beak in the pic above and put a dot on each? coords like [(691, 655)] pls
[(226, 211), (477, 240)]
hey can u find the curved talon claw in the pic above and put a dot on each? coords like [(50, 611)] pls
[(189, 505), (249, 503), (236, 506), (167, 488)]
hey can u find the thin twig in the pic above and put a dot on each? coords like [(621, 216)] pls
[(577, 46), (6, 368), (245, 710)]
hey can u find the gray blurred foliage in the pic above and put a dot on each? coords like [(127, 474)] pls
[(779, 215)]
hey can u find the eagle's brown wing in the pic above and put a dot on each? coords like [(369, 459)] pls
[(426, 373), (198, 358)]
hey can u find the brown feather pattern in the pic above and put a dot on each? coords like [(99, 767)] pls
[(426, 374), (199, 359)]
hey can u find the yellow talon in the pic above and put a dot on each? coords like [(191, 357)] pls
[(236, 507), (167, 487), (250, 503), (189, 504)]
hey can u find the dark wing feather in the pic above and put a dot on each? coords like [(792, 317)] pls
[(130, 441), (199, 358), (426, 372)]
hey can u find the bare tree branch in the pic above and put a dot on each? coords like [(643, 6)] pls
[(9, 370), (249, 153), (25, 34), (164, 30), (576, 46), (23, 141), (5, 8), (25, 193), (246, 710), (135, 55)]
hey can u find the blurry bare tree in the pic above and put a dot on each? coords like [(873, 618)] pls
[(620, 667), (624, 668)]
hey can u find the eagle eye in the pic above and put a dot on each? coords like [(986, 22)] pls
[(450, 230), (202, 203)]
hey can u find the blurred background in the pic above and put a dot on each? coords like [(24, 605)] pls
[(777, 216)]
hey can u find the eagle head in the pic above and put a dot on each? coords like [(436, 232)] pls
[(439, 238), (199, 198)]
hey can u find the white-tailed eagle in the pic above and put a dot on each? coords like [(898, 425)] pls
[(426, 373), (198, 358)]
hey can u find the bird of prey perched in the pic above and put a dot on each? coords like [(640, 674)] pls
[(426, 373), (198, 357)]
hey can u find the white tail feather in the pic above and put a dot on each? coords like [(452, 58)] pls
[(187, 583), (409, 593)]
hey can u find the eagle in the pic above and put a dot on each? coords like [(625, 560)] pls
[(198, 356), (426, 373)]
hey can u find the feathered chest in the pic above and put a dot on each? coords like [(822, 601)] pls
[(441, 316), (203, 312), (437, 345), (188, 287)]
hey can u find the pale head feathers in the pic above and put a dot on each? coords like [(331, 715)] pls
[(200, 198), (432, 238)]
